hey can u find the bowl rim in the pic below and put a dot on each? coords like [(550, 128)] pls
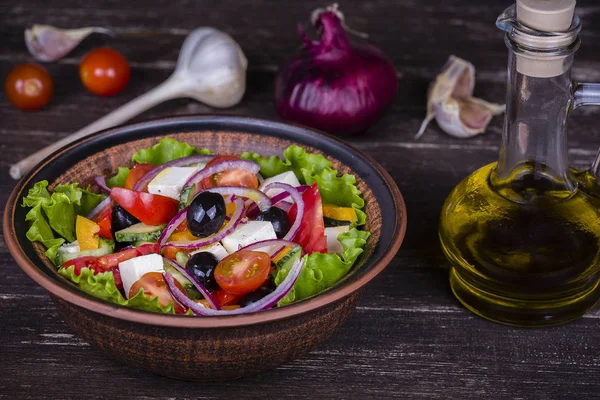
[(78, 298)]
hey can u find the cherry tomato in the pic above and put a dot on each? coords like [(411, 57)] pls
[(111, 261), (29, 86), (311, 235), (243, 271), (104, 72), (81, 262), (136, 173), (234, 177), (151, 209), (223, 298), (154, 285), (104, 220)]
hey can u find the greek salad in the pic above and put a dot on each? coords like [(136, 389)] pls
[(184, 231)]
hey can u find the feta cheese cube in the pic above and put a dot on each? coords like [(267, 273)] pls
[(333, 244), (170, 181), (69, 248), (216, 249), (248, 233), (288, 177), (133, 269)]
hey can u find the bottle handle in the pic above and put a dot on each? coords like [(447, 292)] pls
[(585, 94)]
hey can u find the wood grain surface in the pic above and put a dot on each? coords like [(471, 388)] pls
[(409, 338)]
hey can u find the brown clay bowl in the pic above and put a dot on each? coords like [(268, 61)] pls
[(208, 348)]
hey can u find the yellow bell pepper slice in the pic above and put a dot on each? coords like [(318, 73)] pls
[(87, 233), (280, 255), (339, 213), (182, 236)]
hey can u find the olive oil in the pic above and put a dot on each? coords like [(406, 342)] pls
[(523, 251)]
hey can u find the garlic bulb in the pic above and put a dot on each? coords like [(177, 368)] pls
[(48, 43), (450, 101)]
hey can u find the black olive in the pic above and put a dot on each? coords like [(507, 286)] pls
[(202, 267), (121, 219), (255, 296), (278, 218), (206, 214)]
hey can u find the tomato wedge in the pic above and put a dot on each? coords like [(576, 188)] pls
[(223, 298), (311, 235), (154, 285), (104, 221), (234, 177), (136, 173), (151, 209), (243, 271)]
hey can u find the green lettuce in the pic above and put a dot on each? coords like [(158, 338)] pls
[(119, 178), (52, 216), (309, 168), (103, 286), (322, 271), (168, 149)]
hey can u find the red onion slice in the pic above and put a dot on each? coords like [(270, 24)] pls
[(171, 226), (101, 182), (285, 205), (276, 200), (299, 203), (262, 200), (263, 304), (195, 282), (236, 218), (180, 162), (103, 204), (275, 246), (221, 166)]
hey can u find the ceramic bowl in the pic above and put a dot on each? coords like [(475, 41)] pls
[(208, 348)]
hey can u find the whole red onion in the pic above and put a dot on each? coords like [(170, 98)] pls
[(335, 85)]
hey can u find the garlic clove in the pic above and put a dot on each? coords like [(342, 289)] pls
[(451, 103), (48, 43)]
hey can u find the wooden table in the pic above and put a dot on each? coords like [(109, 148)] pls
[(409, 337)]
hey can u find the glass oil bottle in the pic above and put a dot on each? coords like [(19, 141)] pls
[(522, 234)]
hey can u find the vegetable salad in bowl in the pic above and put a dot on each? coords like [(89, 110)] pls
[(184, 231)]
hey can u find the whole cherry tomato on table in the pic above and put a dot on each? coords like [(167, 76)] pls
[(29, 86), (104, 72)]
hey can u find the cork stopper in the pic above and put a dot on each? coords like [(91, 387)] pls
[(546, 15)]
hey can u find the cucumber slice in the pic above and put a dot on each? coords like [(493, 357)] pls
[(191, 291), (139, 233), (181, 258), (105, 247), (330, 222), (289, 259), (187, 194)]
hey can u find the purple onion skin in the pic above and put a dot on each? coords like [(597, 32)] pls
[(334, 85)]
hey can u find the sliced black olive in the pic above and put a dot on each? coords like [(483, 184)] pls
[(121, 219), (206, 214), (202, 267), (278, 218), (255, 296)]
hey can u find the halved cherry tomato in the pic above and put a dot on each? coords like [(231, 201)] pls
[(29, 86), (234, 177), (154, 285), (223, 298), (243, 271), (151, 209), (311, 235), (104, 72), (182, 227), (136, 173), (104, 221)]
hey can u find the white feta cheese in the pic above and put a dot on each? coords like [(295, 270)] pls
[(216, 249), (333, 244), (133, 269), (170, 181), (69, 248), (288, 177), (248, 233)]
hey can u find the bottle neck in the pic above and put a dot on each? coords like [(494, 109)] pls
[(533, 157)]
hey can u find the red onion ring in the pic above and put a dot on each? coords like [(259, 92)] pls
[(263, 304), (236, 218), (171, 226), (180, 162), (103, 204), (299, 203), (284, 205), (268, 243), (101, 182), (195, 282), (259, 198), (221, 166), (253, 211)]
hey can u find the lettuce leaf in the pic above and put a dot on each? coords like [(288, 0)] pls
[(321, 271), (119, 178), (103, 286), (168, 149), (310, 168), (55, 213)]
